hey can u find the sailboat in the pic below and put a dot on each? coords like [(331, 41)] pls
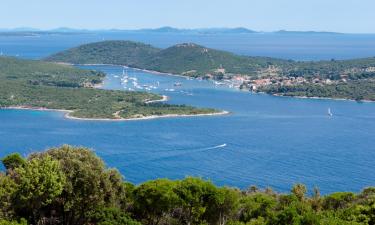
[(329, 112)]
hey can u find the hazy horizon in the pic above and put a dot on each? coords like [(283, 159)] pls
[(25, 28), (347, 16)]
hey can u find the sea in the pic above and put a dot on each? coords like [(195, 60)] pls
[(266, 141)]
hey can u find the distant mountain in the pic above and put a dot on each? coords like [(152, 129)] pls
[(68, 30), (305, 32), (166, 29), (200, 30)]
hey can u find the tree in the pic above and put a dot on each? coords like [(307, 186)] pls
[(154, 200), (6, 222), (316, 200), (257, 205), (337, 200), (7, 189), (299, 190), (195, 194), (13, 161), (39, 182), (89, 184), (112, 216), (223, 206)]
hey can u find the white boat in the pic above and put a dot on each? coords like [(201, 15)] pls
[(177, 84), (329, 112)]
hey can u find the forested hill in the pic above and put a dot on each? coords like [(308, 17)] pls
[(107, 52), (188, 58), (195, 60)]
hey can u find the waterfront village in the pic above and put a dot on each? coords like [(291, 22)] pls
[(273, 76)]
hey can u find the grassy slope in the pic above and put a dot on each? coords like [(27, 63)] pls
[(47, 85)]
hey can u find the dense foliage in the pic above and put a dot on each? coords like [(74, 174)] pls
[(70, 185), (196, 60), (355, 90), (189, 59), (35, 84)]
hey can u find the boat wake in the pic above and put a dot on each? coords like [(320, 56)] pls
[(167, 154), (215, 147)]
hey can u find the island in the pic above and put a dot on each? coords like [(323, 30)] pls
[(32, 84), (345, 79)]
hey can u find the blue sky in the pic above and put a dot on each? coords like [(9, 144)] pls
[(352, 16)]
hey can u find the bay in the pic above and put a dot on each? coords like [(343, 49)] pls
[(265, 141)]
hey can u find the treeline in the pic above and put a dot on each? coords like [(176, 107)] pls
[(354, 90), (72, 186), (50, 74), (194, 60), (187, 59)]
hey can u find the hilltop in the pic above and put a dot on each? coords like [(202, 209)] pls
[(107, 52)]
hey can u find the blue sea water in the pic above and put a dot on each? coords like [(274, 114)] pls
[(265, 141)]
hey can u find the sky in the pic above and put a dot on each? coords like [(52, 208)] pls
[(349, 16)]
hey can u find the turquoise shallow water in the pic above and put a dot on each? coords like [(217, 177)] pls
[(266, 140)]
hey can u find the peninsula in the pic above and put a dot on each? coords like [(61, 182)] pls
[(347, 79), (31, 84)]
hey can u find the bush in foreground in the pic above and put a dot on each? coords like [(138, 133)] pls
[(72, 186)]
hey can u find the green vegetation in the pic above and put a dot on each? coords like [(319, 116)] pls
[(69, 185), (35, 84), (195, 60), (107, 52), (356, 90), (188, 59), (49, 74), (351, 79)]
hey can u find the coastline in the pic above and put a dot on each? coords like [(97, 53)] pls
[(134, 68), (170, 74), (68, 116), (164, 99), (147, 117), (320, 98)]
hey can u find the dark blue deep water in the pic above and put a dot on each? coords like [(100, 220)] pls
[(266, 140)]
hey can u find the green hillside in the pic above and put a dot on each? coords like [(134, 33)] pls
[(189, 59), (195, 60), (107, 52), (36, 84), (198, 60)]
